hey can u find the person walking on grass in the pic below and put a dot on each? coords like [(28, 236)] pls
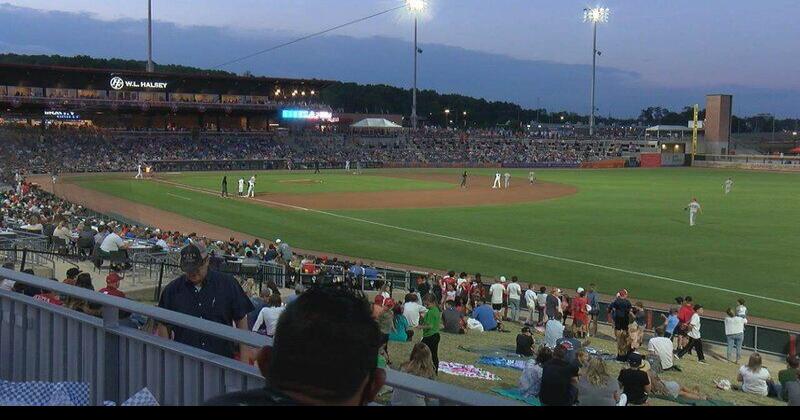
[(695, 339)]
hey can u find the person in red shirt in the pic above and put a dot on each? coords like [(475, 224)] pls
[(49, 297), (580, 317), (112, 284), (684, 317)]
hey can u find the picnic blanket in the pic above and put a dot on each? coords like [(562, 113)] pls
[(495, 351), (603, 355), (50, 394), (468, 371), (514, 394), (503, 362), (697, 403)]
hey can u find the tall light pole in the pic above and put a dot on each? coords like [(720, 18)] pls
[(415, 7), (150, 67), (595, 15)]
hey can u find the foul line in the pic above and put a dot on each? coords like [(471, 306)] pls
[(180, 196), (488, 245)]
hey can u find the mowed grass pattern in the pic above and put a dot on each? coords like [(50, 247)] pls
[(628, 219)]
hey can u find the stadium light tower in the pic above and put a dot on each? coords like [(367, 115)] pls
[(150, 67), (415, 7), (595, 15)]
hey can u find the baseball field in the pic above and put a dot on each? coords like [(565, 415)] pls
[(616, 228)]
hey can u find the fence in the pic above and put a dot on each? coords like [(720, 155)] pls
[(44, 342)]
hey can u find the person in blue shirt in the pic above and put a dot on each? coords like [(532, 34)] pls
[(670, 322), (485, 315)]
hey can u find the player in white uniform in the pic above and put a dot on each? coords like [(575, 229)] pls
[(139, 171), (694, 208), (496, 181), (532, 177), (251, 187), (241, 187), (347, 165), (508, 179), (728, 186)]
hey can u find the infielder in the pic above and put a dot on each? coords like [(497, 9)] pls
[(55, 176), (347, 165), (139, 171), (251, 187), (694, 208), (464, 180), (728, 186), (241, 187), (496, 181), (508, 179), (532, 177)]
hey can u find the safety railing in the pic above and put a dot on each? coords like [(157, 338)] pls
[(44, 342)]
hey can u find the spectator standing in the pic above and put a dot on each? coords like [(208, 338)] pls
[(593, 300), (734, 332), (695, 340), (541, 304), (530, 302), (670, 323), (496, 291), (206, 294), (685, 317), (580, 316), (514, 295), (431, 324), (552, 304), (530, 381), (620, 311), (596, 388)]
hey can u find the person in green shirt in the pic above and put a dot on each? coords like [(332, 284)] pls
[(431, 324), (788, 375)]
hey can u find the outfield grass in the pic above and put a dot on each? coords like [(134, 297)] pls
[(632, 220)]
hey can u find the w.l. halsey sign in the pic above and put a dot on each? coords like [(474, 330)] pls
[(118, 83)]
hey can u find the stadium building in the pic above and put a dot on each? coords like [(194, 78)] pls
[(133, 100)]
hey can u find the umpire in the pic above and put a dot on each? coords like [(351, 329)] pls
[(225, 186)]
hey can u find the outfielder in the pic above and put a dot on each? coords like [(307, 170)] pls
[(464, 180), (241, 187), (728, 186), (694, 208), (139, 172), (532, 177), (251, 187), (496, 181), (508, 179), (347, 165)]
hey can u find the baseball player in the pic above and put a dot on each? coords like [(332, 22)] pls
[(55, 176), (358, 167), (694, 208), (347, 165), (464, 180), (532, 177), (251, 187), (139, 171), (728, 186), (508, 179), (241, 187), (316, 166), (225, 186), (496, 181)]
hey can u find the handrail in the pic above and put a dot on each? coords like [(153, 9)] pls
[(445, 392)]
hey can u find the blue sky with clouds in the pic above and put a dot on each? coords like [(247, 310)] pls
[(669, 42)]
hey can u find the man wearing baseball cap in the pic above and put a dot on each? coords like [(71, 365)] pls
[(206, 294)]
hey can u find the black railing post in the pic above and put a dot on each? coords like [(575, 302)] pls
[(157, 294), (24, 258)]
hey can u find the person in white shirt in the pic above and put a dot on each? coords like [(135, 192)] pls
[(532, 177), (139, 171), (553, 331), (695, 340), (162, 243), (508, 179), (241, 187), (251, 187), (694, 209), (541, 303), (496, 292), (734, 332), (113, 242), (755, 378), (496, 184), (530, 302), (728, 186), (412, 310), (663, 348), (269, 315), (62, 232), (514, 293)]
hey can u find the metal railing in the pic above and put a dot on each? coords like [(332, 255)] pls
[(44, 342)]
